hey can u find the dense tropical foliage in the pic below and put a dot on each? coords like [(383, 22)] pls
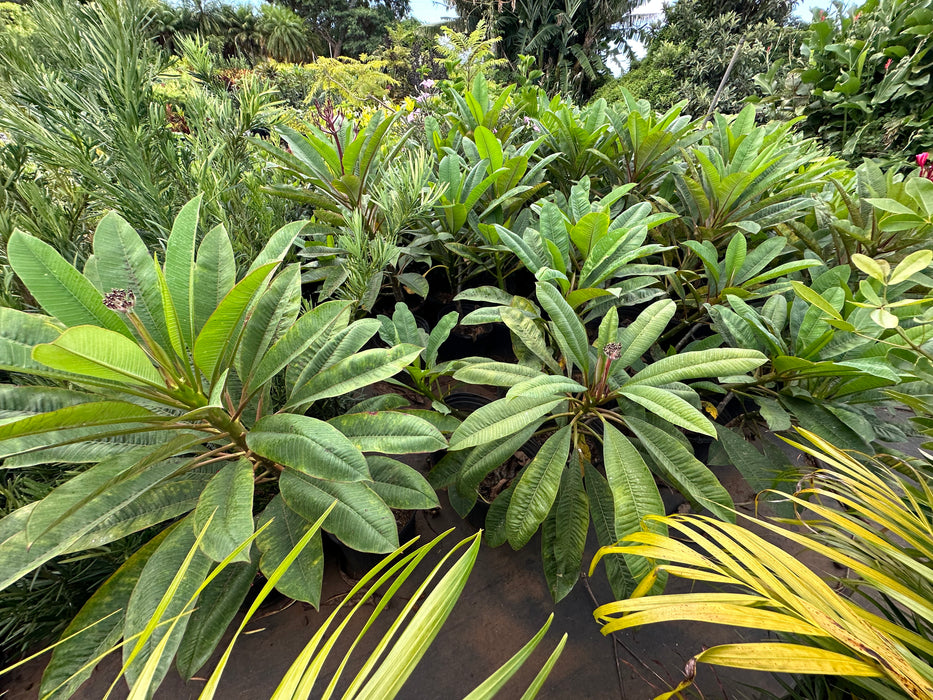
[(253, 290)]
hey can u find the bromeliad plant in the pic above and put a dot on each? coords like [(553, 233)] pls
[(187, 392), (609, 421)]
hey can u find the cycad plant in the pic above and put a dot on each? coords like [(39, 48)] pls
[(871, 519), (187, 391), (610, 420)]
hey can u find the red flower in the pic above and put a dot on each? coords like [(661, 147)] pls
[(925, 169), (888, 65)]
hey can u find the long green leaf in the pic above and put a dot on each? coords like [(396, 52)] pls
[(360, 519), (218, 603), (642, 333), (19, 334), (227, 505), (564, 535), (354, 372), (716, 362), (95, 413), (389, 432), (303, 579), (217, 341), (275, 312), (688, 474), (214, 275), (670, 407), (565, 325), (101, 353), (59, 288), (400, 485), (297, 339), (278, 245), (159, 595), (124, 262), (180, 266), (308, 445), (68, 669), (537, 487), (634, 493), (495, 373), (210, 688), (500, 419)]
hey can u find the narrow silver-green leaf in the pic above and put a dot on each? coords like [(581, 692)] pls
[(537, 488), (500, 419)]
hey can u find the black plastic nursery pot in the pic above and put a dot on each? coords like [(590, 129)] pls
[(356, 564), (486, 340), (500, 478)]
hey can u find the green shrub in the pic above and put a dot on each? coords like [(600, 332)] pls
[(687, 55), (862, 79)]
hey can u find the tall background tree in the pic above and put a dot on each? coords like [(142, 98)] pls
[(350, 27), (571, 40), (688, 52)]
